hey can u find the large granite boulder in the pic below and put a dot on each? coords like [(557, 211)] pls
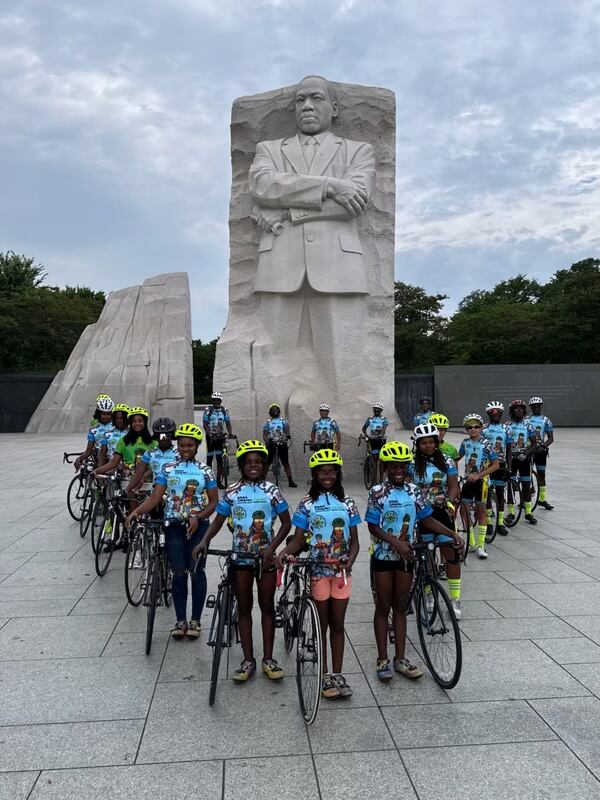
[(139, 352)]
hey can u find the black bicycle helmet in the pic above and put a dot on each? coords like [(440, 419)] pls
[(163, 425)]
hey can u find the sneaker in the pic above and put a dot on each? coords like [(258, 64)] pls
[(329, 688), (456, 608), (272, 669), (502, 530), (404, 667), (340, 681), (246, 670), (442, 574), (545, 504), (292, 485), (481, 553), (384, 671), (509, 519), (194, 629), (180, 629), (530, 519)]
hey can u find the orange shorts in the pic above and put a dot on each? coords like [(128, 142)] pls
[(324, 588)]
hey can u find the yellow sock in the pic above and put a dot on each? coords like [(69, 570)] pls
[(528, 507), (481, 531), (501, 518), (511, 509), (543, 494), (454, 588)]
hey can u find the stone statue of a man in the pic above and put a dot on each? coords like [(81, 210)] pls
[(309, 189)]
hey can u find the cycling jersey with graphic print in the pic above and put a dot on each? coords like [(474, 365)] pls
[(156, 459), (98, 433), (376, 427), (477, 452), (253, 508), (325, 429), (522, 435), (216, 419), (395, 509), (421, 418), (499, 436), (433, 484), (186, 482), (111, 439), (276, 430), (327, 522), (541, 426)]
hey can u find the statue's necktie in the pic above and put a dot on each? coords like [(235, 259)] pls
[(310, 148)]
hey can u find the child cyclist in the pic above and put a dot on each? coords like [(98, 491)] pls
[(113, 434), (523, 446), (253, 505), (436, 477), (394, 507), (327, 513), (544, 435), (102, 425), (480, 461), (442, 423), (499, 436)]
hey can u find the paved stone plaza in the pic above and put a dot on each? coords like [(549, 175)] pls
[(84, 713)]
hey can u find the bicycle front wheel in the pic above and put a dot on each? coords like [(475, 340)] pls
[(439, 634), (75, 494), (222, 610), (492, 515), (309, 661), (287, 611), (153, 597), (106, 543), (100, 509), (136, 565), (225, 470), (369, 471), (87, 505), (510, 520), (535, 490)]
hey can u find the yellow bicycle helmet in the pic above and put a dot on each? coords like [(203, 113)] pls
[(121, 407), (190, 430), (251, 446), (439, 420), (274, 405), (137, 410), (102, 396), (325, 457), (396, 451)]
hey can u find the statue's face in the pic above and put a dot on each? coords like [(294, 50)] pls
[(315, 109)]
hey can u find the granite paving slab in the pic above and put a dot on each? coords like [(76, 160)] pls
[(363, 776)]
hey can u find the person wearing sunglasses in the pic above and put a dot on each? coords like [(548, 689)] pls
[(480, 461)]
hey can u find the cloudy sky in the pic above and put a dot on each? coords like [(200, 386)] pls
[(114, 137)]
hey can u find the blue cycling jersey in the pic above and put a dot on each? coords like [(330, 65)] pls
[(215, 420), (376, 426), (477, 452), (97, 433), (327, 522), (395, 509), (422, 417), (433, 484), (325, 429), (156, 459), (186, 482), (253, 508), (541, 426), (522, 435), (276, 430), (110, 440), (499, 436)]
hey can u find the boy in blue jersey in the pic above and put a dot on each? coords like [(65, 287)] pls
[(325, 431), (523, 445), (163, 430), (480, 461), (276, 435), (374, 431), (544, 435), (425, 411), (498, 435), (217, 427)]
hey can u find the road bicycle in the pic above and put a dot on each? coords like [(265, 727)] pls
[(370, 464), (225, 465), (297, 615), (276, 463), (110, 530), (76, 491), (224, 623), (159, 578)]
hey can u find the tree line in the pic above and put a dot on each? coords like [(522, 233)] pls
[(518, 321)]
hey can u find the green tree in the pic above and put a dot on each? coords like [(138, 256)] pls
[(19, 273), (204, 365), (419, 328)]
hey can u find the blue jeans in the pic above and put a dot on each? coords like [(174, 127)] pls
[(179, 551)]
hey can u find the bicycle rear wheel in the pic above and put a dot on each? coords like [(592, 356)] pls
[(309, 661), (439, 634), (136, 565), (153, 598), (87, 506), (167, 582), (222, 609), (462, 525), (106, 542), (75, 494), (510, 520)]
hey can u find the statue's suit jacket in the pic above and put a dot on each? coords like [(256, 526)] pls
[(320, 241)]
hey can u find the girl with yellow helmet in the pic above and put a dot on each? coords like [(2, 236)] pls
[(253, 505), (393, 510), (326, 520)]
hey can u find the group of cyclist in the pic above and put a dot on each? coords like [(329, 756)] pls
[(415, 497)]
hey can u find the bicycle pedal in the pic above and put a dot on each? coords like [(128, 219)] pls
[(211, 601), (278, 621)]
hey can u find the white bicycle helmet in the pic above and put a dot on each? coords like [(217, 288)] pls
[(105, 404), (324, 407), (495, 405), (473, 417), (377, 404), (216, 396), (421, 431), (536, 401)]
